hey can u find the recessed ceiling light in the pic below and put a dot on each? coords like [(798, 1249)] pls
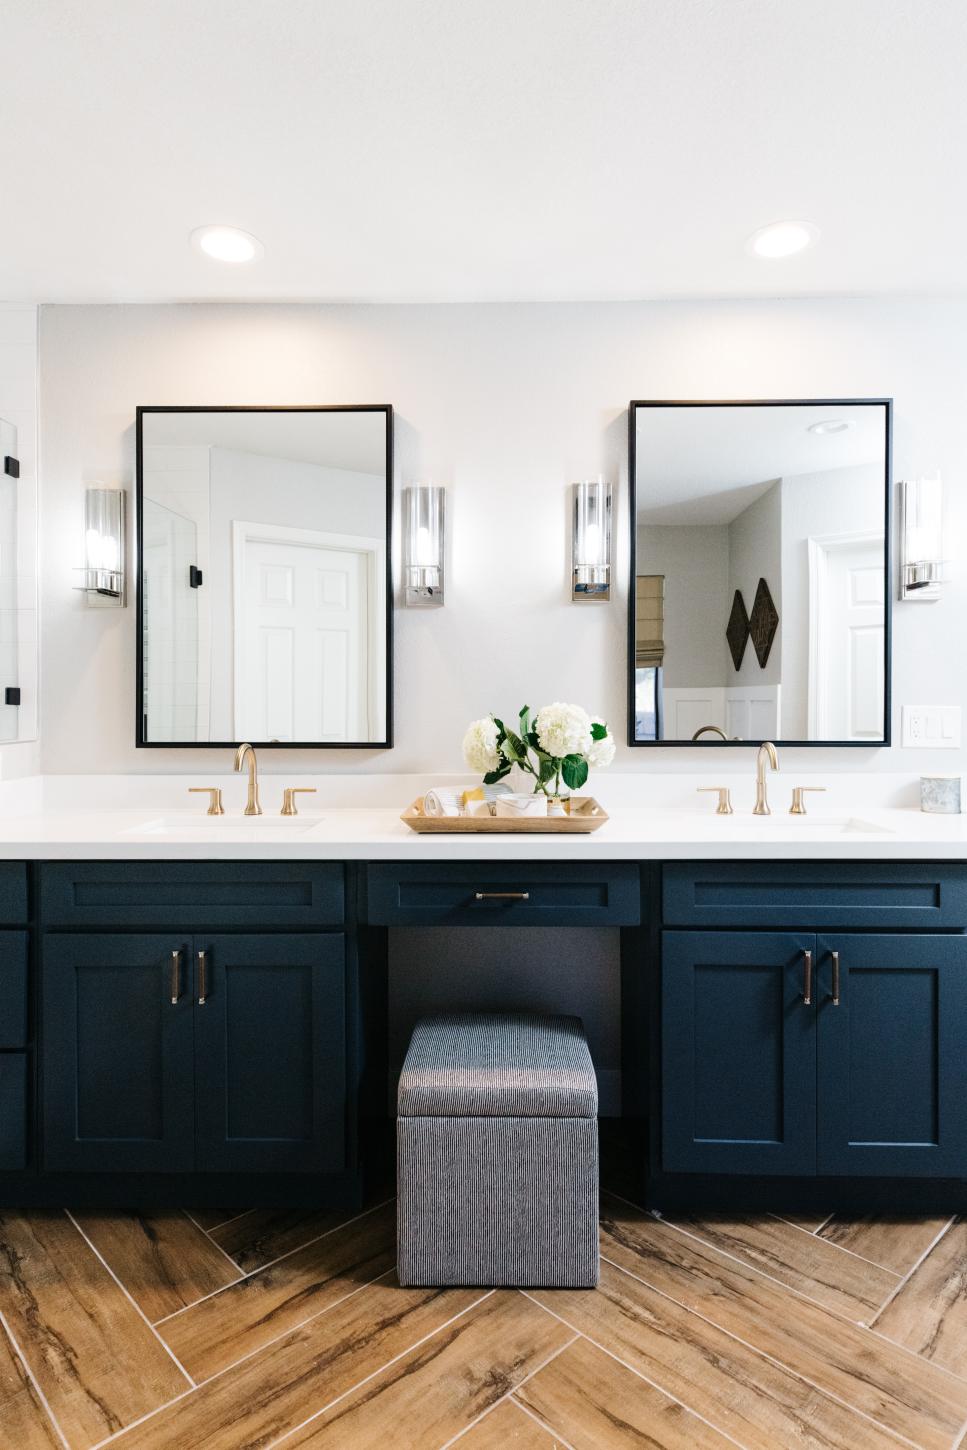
[(782, 239), (227, 244), (830, 425)]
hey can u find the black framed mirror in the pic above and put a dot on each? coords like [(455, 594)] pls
[(263, 582), (760, 596)]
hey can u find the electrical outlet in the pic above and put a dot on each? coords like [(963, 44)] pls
[(930, 727)]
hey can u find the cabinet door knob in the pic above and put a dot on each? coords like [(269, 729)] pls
[(175, 977), (807, 978), (202, 978), (835, 993)]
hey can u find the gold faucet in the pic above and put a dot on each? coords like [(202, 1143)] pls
[(253, 806), (767, 751), (709, 730)]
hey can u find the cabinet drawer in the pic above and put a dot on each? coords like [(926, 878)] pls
[(13, 988), (815, 894), (503, 894), (184, 895), (13, 893), (13, 1109)]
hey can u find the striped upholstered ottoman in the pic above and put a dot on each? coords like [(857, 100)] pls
[(497, 1140)]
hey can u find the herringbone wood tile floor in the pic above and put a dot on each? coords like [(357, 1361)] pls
[(220, 1330)]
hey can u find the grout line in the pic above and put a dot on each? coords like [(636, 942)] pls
[(133, 1302), (840, 1318), (910, 1273), (958, 1442), (215, 1245), (556, 1435), (838, 1314), (211, 1227), (294, 1429), (764, 1354), (270, 1263), (669, 1395), (814, 1233), (825, 1223), (34, 1381), (235, 1363), (503, 1398)]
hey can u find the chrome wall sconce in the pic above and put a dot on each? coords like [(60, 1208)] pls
[(591, 541), (921, 540), (102, 574), (424, 545)]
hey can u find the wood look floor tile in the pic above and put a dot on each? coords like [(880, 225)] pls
[(162, 1259), (209, 1218), (443, 1384), (896, 1243), (97, 1362), (747, 1396), (508, 1426), (839, 1281), (264, 1234), (24, 1423), (929, 1315), (218, 1331), (810, 1223), (258, 1401), (907, 1395), (594, 1401)]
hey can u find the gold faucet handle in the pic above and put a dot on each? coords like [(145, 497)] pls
[(288, 798), (724, 807), (798, 807), (214, 793)]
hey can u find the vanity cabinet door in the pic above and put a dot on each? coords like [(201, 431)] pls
[(117, 1054), (738, 1053), (892, 1055), (270, 1052)]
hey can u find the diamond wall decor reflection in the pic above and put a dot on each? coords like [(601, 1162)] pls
[(737, 629), (763, 623)]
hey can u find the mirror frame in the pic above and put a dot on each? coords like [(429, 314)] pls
[(887, 405), (387, 410)]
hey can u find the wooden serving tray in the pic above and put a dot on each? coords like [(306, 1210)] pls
[(585, 815)]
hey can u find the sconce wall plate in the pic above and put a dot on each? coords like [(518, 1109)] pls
[(921, 540), (102, 577), (424, 545), (591, 542)]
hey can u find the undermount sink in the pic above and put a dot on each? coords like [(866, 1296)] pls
[(191, 826), (819, 825)]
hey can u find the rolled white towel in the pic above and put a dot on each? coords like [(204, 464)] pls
[(442, 802)]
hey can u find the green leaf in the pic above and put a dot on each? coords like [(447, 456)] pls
[(574, 769), (514, 747), (548, 770), (492, 776), (598, 731)]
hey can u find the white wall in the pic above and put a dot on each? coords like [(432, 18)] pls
[(505, 405), (18, 405), (694, 559)]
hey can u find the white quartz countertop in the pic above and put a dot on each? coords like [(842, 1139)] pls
[(94, 818)]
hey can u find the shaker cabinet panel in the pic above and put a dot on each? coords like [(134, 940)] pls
[(893, 1055), (117, 1054), (13, 988), (738, 1053), (270, 1052)]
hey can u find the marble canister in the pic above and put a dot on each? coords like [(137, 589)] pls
[(941, 795)]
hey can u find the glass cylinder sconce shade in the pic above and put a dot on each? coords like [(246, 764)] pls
[(921, 539), (591, 541), (102, 576), (424, 540)]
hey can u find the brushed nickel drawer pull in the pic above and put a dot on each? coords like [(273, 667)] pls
[(202, 978), (175, 977), (835, 956), (501, 896), (807, 979)]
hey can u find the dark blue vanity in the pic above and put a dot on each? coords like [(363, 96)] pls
[(793, 1034)]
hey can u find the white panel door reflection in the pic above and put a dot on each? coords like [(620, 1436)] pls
[(302, 618)]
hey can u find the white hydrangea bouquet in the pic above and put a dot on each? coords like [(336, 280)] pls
[(560, 743)]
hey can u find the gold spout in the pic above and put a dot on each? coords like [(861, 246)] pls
[(767, 752), (253, 806)]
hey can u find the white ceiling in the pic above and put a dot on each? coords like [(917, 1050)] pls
[(706, 465), (355, 441), (480, 149)]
